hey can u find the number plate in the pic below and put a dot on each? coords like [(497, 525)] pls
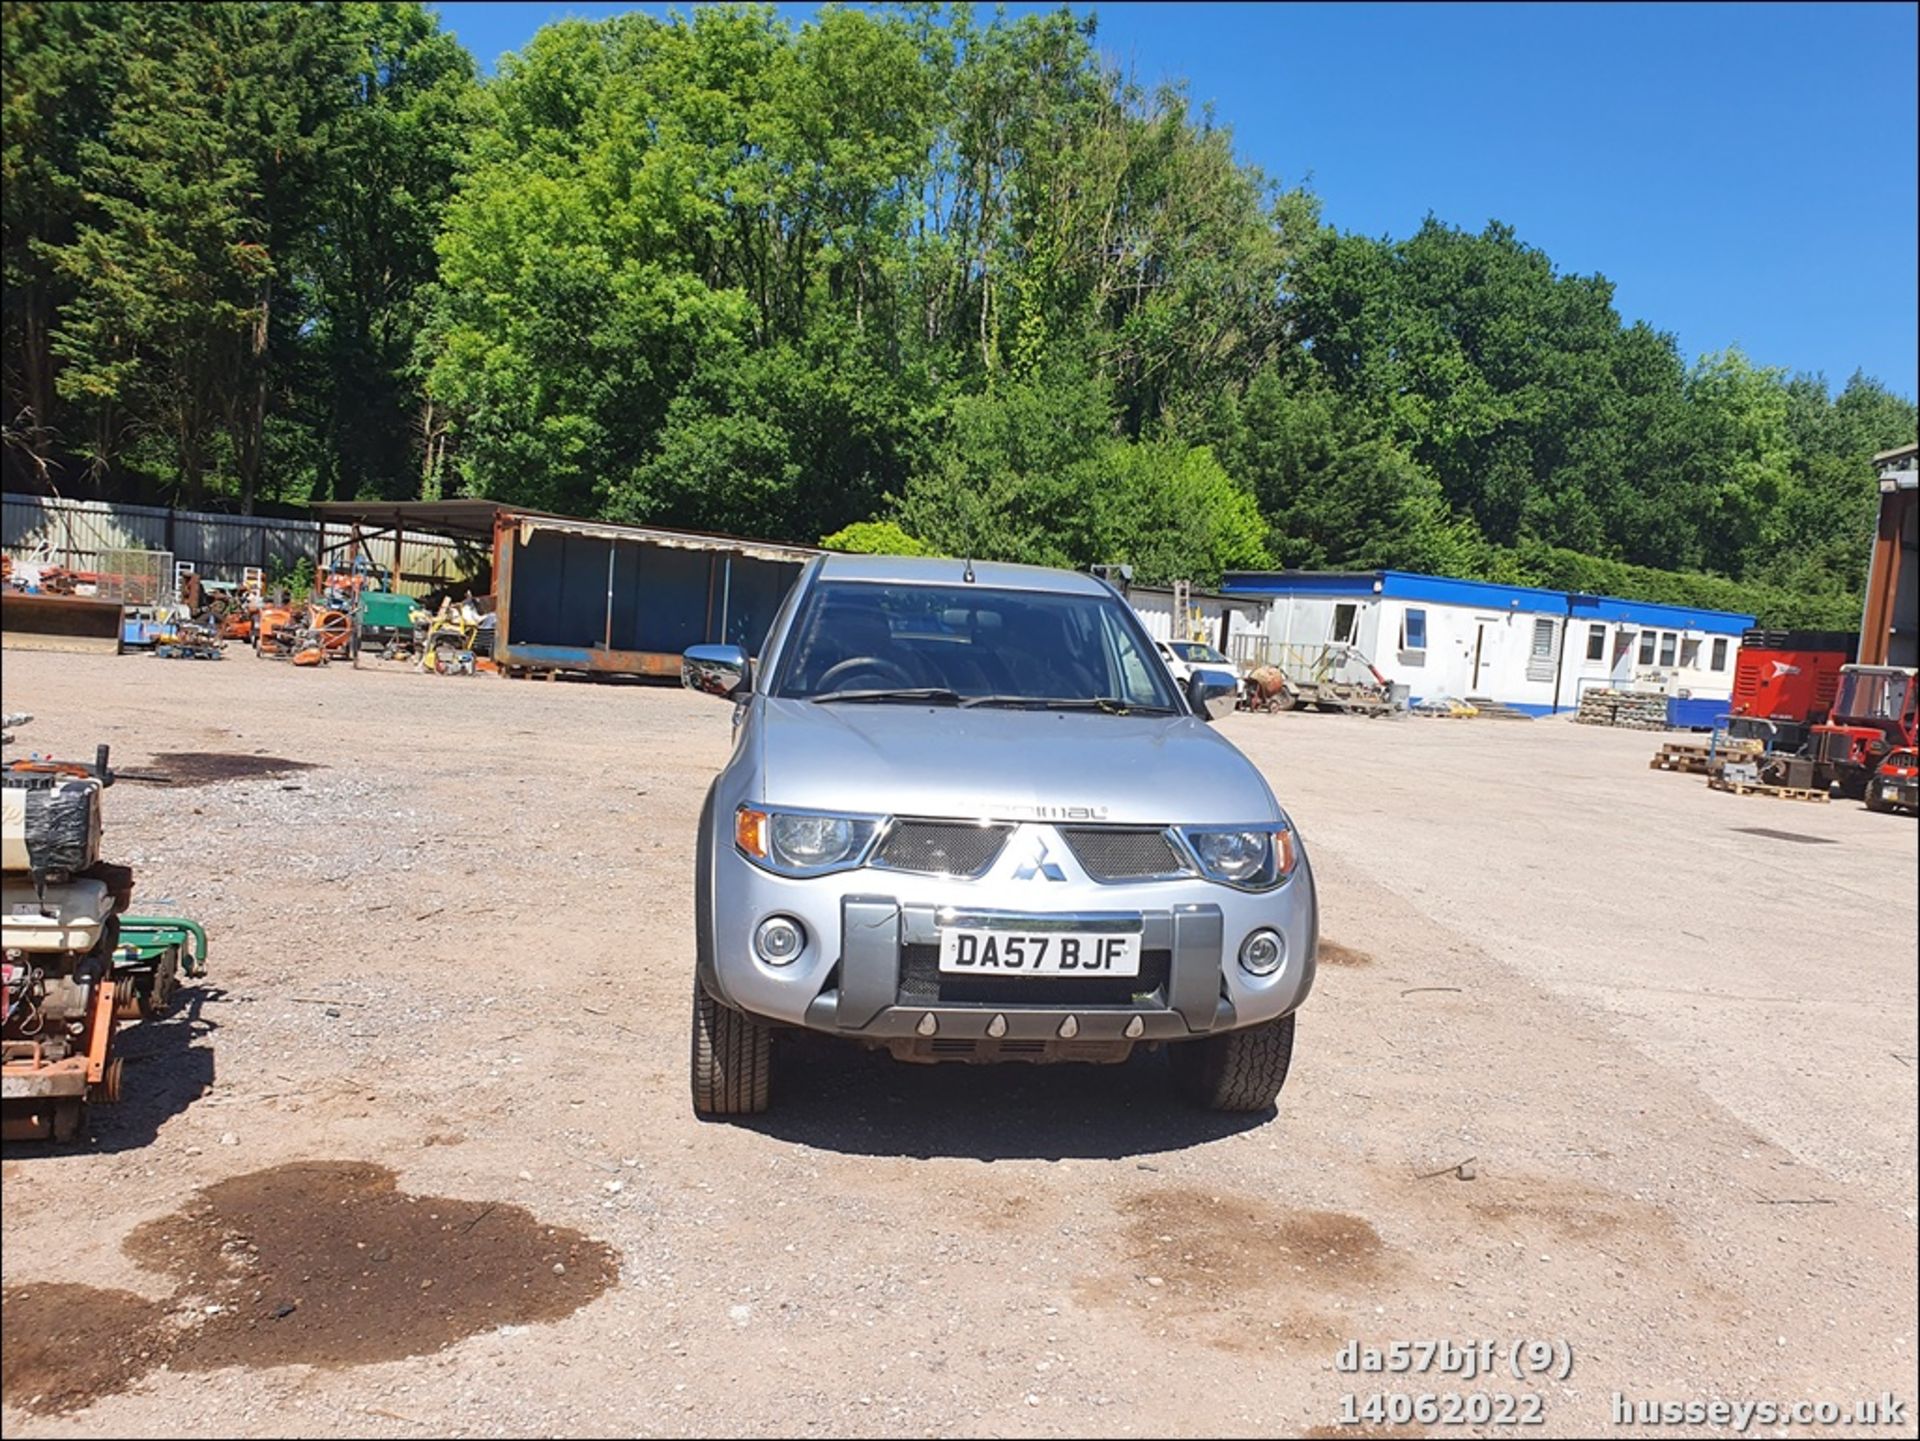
[(968, 952)]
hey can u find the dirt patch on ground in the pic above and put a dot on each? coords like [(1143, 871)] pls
[(325, 1263), (328, 1263), (1534, 1207), (66, 1345), (1332, 953), (205, 768), (1210, 1247)]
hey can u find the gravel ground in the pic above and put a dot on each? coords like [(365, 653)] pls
[(1675, 1053)]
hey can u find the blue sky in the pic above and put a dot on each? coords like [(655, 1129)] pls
[(1744, 174)]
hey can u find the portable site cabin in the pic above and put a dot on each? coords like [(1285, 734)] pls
[(1534, 650), (1220, 617), (583, 595)]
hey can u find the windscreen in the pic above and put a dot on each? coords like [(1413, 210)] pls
[(1197, 653), (1871, 695), (972, 644)]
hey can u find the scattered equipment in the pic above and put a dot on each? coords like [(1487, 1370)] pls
[(189, 640), (71, 964), (1325, 678), (1784, 682), (449, 643), (1873, 714)]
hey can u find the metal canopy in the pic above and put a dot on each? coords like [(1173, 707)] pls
[(476, 520), (457, 519)]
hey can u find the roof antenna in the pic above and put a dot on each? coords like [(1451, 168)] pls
[(968, 577)]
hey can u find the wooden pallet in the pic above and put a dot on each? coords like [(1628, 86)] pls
[(1693, 762), (1785, 793), (1696, 758)]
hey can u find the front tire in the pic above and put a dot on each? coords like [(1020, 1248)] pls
[(732, 1059), (1236, 1071)]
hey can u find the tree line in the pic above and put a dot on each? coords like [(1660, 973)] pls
[(910, 279)]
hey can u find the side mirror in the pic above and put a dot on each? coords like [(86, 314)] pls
[(1211, 694), (715, 670)]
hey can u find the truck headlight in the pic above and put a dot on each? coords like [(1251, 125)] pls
[(801, 842), (1250, 858)]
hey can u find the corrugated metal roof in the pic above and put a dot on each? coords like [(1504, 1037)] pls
[(475, 519)]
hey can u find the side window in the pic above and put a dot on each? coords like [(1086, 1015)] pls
[(1413, 630), (1647, 639), (1669, 643), (1346, 623), (1596, 642), (1134, 680), (1690, 652), (1720, 652)]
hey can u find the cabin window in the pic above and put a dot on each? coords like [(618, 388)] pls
[(1540, 659), (1720, 653), (1647, 640), (1596, 642), (1690, 652), (1346, 623), (1413, 630), (1669, 646)]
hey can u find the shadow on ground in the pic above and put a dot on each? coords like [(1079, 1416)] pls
[(842, 1098), (169, 1066)]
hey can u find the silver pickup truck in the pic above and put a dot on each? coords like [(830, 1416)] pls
[(970, 816)]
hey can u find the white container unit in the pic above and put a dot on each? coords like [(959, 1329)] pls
[(1535, 650)]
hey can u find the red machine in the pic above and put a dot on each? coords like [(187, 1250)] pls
[(1784, 683), (1896, 785), (1873, 713)]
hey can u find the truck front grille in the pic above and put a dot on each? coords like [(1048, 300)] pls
[(1833, 747), (1109, 854), (921, 984), (941, 848)]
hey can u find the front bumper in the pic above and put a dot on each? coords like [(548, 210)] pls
[(1898, 792), (868, 968)]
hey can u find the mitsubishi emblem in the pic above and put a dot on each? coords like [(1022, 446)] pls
[(1038, 863)]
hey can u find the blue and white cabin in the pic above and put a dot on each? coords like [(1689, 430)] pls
[(1535, 650)]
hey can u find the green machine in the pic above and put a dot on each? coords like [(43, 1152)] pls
[(385, 610), (383, 623), (152, 954)]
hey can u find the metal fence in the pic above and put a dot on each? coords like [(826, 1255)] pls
[(1323, 663), (80, 535)]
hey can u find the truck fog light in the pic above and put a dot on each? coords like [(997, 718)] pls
[(1261, 953), (779, 940)]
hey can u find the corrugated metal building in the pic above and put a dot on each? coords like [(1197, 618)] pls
[(1220, 617), (88, 535), (1890, 622), (585, 595)]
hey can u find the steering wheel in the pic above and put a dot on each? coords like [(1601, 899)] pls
[(879, 665)]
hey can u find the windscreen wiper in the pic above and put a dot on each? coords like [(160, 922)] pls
[(930, 695), (1109, 704)]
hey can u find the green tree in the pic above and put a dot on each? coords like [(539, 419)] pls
[(1170, 511), (397, 137), (58, 64), (875, 537), (166, 275)]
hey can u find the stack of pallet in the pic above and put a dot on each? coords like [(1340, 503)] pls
[(1636, 710), (1699, 758)]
